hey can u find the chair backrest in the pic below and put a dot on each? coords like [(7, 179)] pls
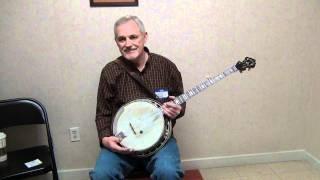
[(27, 111), (22, 111)]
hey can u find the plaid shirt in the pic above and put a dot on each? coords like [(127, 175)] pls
[(117, 87)]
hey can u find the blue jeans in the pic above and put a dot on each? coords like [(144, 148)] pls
[(165, 164)]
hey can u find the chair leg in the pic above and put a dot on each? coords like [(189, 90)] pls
[(55, 174)]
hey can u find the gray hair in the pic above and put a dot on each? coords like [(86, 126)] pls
[(127, 18)]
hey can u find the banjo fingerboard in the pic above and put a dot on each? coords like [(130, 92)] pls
[(204, 85)]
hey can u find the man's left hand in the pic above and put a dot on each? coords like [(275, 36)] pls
[(171, 109)]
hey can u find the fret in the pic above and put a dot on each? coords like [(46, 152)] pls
[(202, 86), (177, 101), (219, 77), (234, 68), (207, 83), (180, 99), (185, 97), (194, 90), (189, 93), (193, 93), (211, 81), (224, 74)]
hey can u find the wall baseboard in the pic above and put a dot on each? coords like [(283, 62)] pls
[(221, 161), (234, 160), (312, 160)]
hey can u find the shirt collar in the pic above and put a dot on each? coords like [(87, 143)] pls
[(131, 66)]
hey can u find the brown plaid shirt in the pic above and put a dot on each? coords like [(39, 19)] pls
[(117, 87)]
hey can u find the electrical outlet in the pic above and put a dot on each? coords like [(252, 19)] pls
[(74, 134)]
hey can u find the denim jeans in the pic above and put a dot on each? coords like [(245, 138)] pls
[(165, 164)]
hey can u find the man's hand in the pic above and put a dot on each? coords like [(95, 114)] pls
[(171, 109), (113, 143)]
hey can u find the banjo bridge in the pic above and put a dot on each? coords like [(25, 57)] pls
[(134, 132)]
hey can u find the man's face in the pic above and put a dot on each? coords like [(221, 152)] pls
[(130, 40)]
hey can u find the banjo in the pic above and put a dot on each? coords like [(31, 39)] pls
[(141, 124)]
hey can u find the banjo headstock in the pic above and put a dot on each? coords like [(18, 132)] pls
[(247, 63)]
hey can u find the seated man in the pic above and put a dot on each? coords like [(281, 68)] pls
[(117, 87)]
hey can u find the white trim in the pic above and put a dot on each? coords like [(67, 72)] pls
[(222, 161), (79, 174), (210, 162), (312, 160)]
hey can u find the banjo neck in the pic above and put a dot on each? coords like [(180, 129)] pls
[(204, 85), (240, 66)]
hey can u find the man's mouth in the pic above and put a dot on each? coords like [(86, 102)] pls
[(129, 50)]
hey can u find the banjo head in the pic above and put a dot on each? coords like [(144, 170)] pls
[(140, 123)]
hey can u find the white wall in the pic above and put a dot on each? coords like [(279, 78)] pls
[(54, 50)]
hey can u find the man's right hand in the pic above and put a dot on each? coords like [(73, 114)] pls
[(113, 143)]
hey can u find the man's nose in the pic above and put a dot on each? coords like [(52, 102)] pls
[(128, 42)]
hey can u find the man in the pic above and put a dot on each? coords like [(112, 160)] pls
[(117, 88)]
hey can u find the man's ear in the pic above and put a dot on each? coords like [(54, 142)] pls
[(146, 37)]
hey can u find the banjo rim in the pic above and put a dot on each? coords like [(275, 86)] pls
[(160, 142)]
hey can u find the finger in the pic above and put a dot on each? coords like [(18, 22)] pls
[(165, 107), (166, 112), (169, 105), (172, 108), (124, 150), (169, 113), (172, 97), (172, 104), (127, 151), (175, 108), (115, 139), (117, 148), (118, 139)]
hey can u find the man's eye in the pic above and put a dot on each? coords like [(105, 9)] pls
[(121, 39), (133, 37)]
